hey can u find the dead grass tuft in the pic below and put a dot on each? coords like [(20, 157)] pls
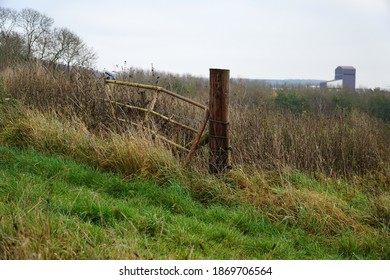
[(316, 212)]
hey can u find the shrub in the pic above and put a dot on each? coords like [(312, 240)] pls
[(342, 101), (379, 106), (291, 101)]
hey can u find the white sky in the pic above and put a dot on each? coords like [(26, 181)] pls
[(273, 39)]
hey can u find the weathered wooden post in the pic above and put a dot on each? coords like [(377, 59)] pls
[(219, 121)]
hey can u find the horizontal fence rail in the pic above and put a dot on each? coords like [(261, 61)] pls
[(159, 89), (168, 119)]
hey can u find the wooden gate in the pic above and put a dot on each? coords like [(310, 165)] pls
[(219, 144)]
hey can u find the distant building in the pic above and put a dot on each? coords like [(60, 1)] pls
[(344, 74), (332, 84), (348, 75)]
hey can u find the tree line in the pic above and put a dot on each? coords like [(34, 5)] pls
[(28, 34)]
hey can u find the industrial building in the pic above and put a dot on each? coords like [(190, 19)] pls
[(345, 77)]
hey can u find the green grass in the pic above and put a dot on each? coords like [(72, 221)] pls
[(54, 208)]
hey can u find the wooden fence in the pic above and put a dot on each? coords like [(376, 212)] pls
[(216, 112)]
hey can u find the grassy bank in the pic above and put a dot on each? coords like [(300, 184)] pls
[(54, 208), (66, 193)]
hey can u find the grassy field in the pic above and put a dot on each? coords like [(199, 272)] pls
[(310, 178)]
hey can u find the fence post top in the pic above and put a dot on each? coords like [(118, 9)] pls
[(218, 69)]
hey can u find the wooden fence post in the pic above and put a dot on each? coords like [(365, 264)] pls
[(219, 121)]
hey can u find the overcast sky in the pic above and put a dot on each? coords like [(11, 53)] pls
[(273, 39)]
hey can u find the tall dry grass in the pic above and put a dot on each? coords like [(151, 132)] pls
[(125, 154), (83, 94), (321, 134), (351, 143)]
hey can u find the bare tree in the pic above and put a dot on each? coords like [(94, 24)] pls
[(87, 57), (43, 47), (71, 50), (11, 43), (30, 34), (35, 28), (8, 19), (66, 47)]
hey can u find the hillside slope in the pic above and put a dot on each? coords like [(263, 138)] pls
[(69, 192), (54, 208)]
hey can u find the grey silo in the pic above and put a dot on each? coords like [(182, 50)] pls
[(348, 75)]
